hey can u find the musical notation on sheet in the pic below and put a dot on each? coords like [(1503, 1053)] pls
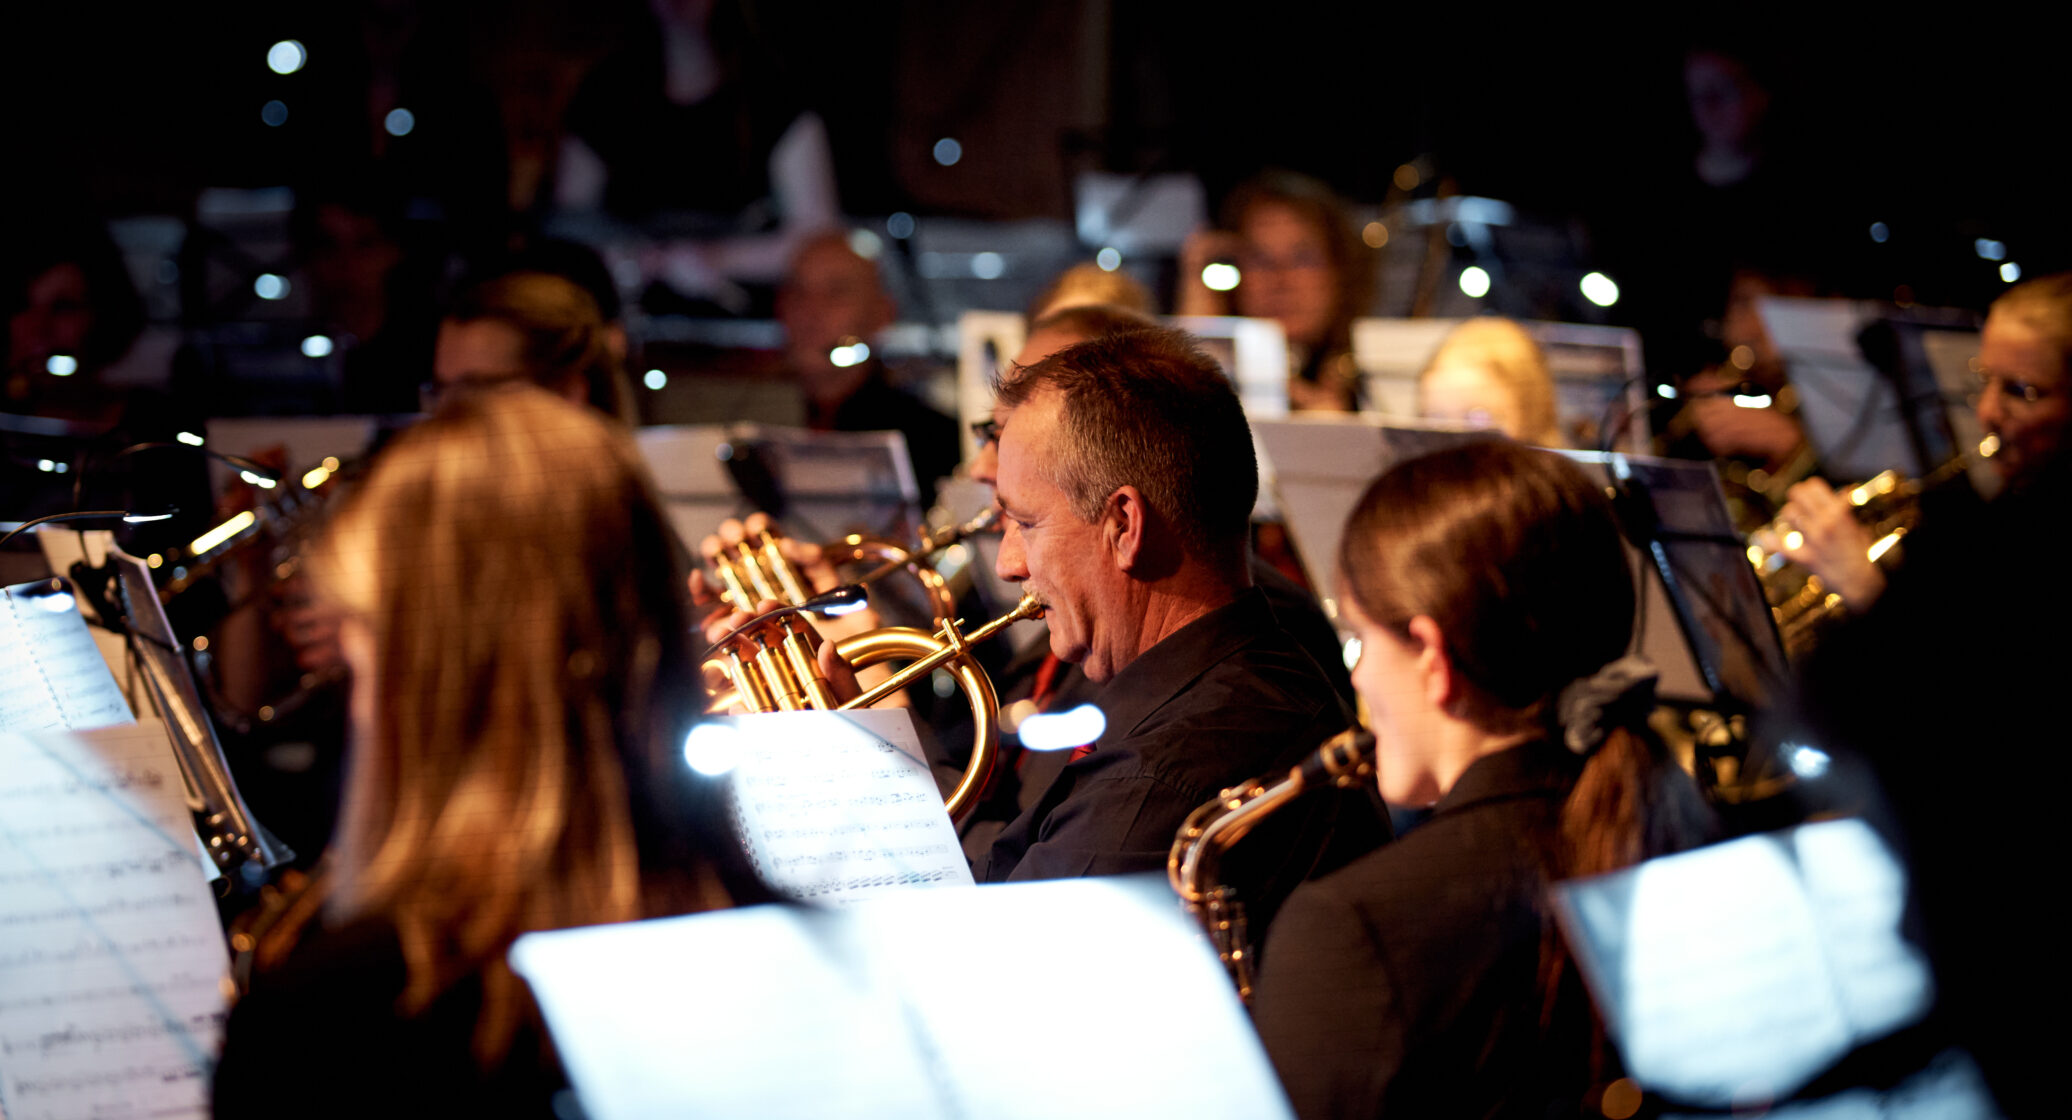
[(51, 673), (836, 806), (113, 971)]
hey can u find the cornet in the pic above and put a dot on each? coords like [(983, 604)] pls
[(771, 664), (756, 569)]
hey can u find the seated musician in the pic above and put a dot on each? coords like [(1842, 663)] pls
[(2024, 405), (1494, 606), (1035, 680), (537, 327), (1126, 479), (1489, 373), (522, 688)]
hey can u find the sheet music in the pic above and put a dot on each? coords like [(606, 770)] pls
[(869, 1011), (1741, 970), (114, 977), (51, 673), (836, 806)]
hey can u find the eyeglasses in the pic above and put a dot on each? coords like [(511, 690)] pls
[(986, 432), (2027, 392)]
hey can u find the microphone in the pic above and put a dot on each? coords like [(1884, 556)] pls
[(85, 515)]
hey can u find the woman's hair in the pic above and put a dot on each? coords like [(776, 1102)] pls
[(1321, 207), (1514, 361), (1088, 284), (519, 767), (565, 338), (1515, 554)]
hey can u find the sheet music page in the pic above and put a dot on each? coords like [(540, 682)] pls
[(114, 976), (874, 1010), (836, 806), (52, 674), (1739, 971)]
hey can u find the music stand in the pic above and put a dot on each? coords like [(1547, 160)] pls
[(1704, 622), (1597, 372), (1674, 513), (1909, 417), (818, 485)]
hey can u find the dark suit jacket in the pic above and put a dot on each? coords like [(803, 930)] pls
[(1227, 698), (1408, 983)]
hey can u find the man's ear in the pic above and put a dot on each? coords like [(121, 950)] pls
[(1434, 663), (1122, 526)]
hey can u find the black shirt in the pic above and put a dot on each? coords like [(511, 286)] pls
[(1408, 984), (1227, 698), (321, 1036)]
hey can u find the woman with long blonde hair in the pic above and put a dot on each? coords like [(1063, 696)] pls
[(522, 688)]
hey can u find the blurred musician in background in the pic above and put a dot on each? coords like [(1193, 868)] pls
[(522, 689), (1126, 478), (2024, 404), (833, 299), (1299, 263), (1490, 592), (1489, 373), (537, 327)]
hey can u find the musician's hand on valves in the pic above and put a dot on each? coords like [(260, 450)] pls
[(1820, 532), (1732, 429)]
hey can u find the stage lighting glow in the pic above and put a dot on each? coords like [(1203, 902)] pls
[(1666, 392), (1375, 235), (849, 354), (190, 439), (1220, 277), (259, 480), (1742, 357), (948, 151), (1407, 178), (315, 477), (399, 122), (900, 225), (46, 465), (316, 346), (270, 286), (1989, 249), (1062, 731), (1807, 762), (274, 113), (865, 244), (1599, 289), (1354, 647), (988, 266), (2010, 272), (223, 532), (61, 365), (286, 57), (1880, 232), (1109, 259), (655, 379), (1752, 400), (1474, 282), (713, 749)]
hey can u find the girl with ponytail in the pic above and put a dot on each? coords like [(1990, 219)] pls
[(1492, 599)]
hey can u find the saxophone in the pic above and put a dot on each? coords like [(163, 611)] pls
[(1345, 760)]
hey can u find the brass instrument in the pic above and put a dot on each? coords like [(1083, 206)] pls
[(772, 667), (1345, 760), (754, 570), (1887, 506)]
